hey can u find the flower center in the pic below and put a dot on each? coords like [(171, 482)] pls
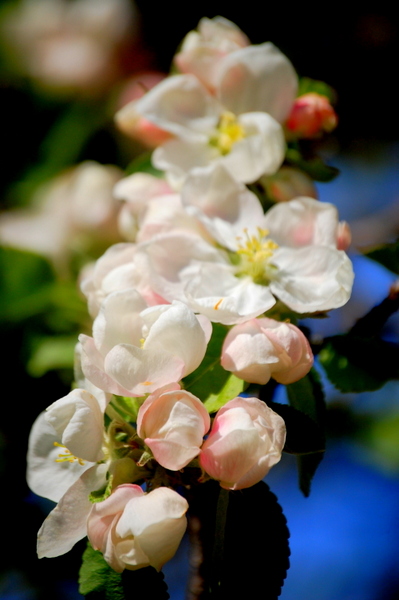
[(67, 456), (228, 132), (255, 252)]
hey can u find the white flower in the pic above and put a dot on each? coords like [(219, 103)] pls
[(133, 529), (292, 256), (135, 349), (249, 143)]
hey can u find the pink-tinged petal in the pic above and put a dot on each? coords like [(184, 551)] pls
[(182, 106), (139, 372), (157, 522), (67, 523), (258, 78), (93, 368), (173, 424), (303, 222), (179, 332), (245, 441)]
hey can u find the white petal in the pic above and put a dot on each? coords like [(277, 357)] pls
[(182, 106), (258, 78), (303, 222), (67, 523), (45, 476), (312, 278)]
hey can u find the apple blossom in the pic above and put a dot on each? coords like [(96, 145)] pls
[(262, 348), (134, 529), (69, 46), (75, 209), (249, 144), (292, 256), (173, 424), (135, 349), (245, 441), (202, 50)]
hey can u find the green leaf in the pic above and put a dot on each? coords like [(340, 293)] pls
[(96, 575), (63, 145), (210, 382), (254, 559), (25, 284), (304, 436), (306, 396), (387, 255), (98, 581), (307, 85), (52, 353), (357, 364), (143, 164), (315, 167)]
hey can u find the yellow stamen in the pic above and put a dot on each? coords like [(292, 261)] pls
[(228, 132), (256, 251), (67, 456), (146, 383), (218, 303)]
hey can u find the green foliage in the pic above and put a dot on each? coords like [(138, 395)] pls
[(244, 539), (96, 576), (315, 167), (210, 382), (307, 85), (387, 255), (304, 435), (307, 397), (358, 364), (52, 353), (143, 164), (97, 581)]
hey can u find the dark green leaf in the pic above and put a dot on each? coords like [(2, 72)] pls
[(307, 396), (255, 556), (143, 164), (315, 167), (307, 466), (387, 255), (210, 382), (307, 85), (357, 364), (304, 436), (25, 283)]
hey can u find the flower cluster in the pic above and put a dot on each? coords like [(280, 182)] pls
[(205, 258)]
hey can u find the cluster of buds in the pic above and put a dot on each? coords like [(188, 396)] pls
[(203, 260)]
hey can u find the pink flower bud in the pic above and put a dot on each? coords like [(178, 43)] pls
[(289, 183), (310, 115), (246, 440), (344, 236), (173, 424), (133, 529), (263, 348)]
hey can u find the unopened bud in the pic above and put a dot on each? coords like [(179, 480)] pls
[(344, 236), (311, 115), (289, 183)]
